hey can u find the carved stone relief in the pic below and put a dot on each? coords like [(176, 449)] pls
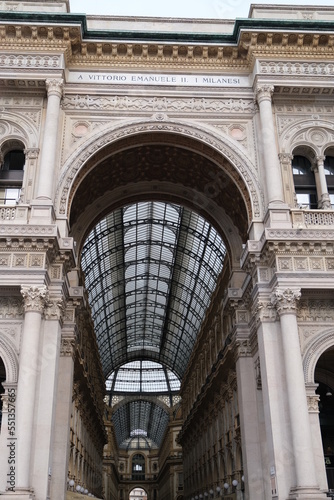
[(157, 104), (74, 163), (12, 330), (11, 308)]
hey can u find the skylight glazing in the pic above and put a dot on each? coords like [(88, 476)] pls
[(150, 270), (144, 377), (140, 424)]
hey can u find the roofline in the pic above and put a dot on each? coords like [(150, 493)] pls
[(146, 36)]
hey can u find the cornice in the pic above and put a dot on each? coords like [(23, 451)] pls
[(250, 39)]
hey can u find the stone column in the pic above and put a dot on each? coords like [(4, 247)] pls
[(306, 484), (273, 176), (34, 302), (45, 406), (61, 448), (322, 189), (313, 410), (249, 421), (49, 148)]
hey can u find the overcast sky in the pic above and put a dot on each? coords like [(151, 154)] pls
[(221, 9)]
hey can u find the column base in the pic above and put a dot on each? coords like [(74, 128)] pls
[(19, 494), (308, 493)]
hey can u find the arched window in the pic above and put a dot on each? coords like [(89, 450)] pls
[(11, 176), (304, 181), (329, 172), (138, 467)]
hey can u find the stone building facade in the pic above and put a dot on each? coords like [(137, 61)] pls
[(233, 120)]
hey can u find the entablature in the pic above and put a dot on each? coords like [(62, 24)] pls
[(250, 40)]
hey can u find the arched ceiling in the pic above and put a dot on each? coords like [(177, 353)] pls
[(125, 163), (140, 425), (150, 270)]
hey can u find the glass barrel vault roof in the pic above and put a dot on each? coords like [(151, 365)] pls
[(150, 270)]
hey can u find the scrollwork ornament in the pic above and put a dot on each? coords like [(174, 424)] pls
[(286, 300), (54, 309), (35, 297)]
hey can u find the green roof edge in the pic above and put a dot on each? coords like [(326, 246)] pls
[(272, 24)]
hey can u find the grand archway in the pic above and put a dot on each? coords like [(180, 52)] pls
[(157, 220)]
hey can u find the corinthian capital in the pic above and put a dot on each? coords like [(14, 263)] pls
[(34, 297), (285, 301), (285, 159), (54, 86), (54, 309), (264, 92)]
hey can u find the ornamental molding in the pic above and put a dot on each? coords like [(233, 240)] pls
[(9, 357), (14, 125), (11, 100), (155, 104), (316, 133), (33, 231), (35, 297), (299, 235), (12, 330), (296, 68), (36, 61), (286, 300), (11, 307), (239, 162), (318, 345), (315, 311)]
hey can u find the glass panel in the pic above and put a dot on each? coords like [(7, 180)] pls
[(150, 270)]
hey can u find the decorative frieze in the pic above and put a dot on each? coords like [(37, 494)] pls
[(296, 68), (315, 310), (21, 102), (286, 300), (23, 260), (31, 61), (158, 104), (35, 297), (11, 307)]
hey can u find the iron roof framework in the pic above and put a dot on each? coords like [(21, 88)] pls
[(150, 270)]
